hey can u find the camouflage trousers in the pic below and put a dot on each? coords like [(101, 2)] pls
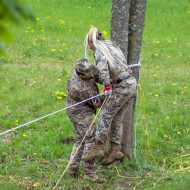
[(81, 123), (111, 116)]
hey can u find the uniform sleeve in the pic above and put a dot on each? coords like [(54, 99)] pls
[(102, 66)]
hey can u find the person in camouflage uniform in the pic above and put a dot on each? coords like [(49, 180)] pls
[(118, 81), (81, 86)]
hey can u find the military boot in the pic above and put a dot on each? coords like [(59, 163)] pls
[(94, 178), (95, 151), (114, 155)]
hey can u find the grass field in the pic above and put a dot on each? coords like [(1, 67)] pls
[(33, 81)]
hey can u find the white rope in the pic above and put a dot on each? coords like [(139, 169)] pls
[(134, 65), (40, 118)]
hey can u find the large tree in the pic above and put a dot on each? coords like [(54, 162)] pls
[(127, 25)]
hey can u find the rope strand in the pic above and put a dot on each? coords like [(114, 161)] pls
[(79, 145), (40, 118)]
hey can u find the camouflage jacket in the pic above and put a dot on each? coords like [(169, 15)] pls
[(79, 90), (107, 75)]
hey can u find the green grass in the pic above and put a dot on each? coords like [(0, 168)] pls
[(39, 63)]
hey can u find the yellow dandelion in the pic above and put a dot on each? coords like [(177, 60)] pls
[(173, 84), (165, 136), (182, 92), (37, 19), (42, 30), (32, 30), (64, 44), (105, 33), (156, 95), (185, 87), (156, 54), (155, 75), (37, 184), (61, 21), (57, 92), (53, 50), (59, 79), (60, 50), (154, 41), (59, 97), (179, 133), (157, 42), (24, 135), (43, 38), (64, 94)]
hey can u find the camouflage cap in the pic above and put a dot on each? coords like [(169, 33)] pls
[(83, 66)]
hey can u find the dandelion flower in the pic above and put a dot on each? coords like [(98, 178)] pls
[(37, 184), (104, 33), (156, 95), (24, 135), (61, 21), (165, 136), (37, 19), (59, 98), (53, 50)]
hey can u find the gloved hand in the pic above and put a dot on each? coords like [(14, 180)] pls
[(108, 90)]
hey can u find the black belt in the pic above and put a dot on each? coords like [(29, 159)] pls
[(121, 79)]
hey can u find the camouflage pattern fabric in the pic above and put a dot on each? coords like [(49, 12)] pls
[(107, 75), (113, 112), (81, 117)]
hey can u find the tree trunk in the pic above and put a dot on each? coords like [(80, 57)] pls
[(127, 31), (120, 24)]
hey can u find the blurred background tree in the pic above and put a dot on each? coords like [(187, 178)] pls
[(13, 11)]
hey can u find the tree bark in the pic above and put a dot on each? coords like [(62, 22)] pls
[(120, 24), (127, 25)]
